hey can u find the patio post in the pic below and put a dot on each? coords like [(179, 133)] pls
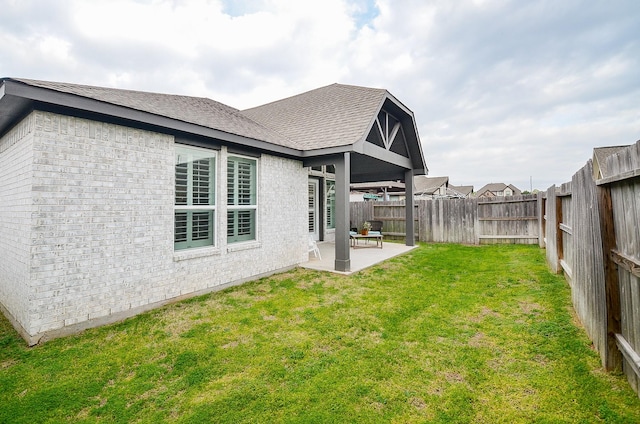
[(343, 179), (409, 208)]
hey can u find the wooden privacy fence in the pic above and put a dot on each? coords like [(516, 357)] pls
[(592, 235), (390, 213), (591, 232), (512, 219)]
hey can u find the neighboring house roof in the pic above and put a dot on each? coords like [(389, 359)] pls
[(464, 191), (492, 189), (429, 185), (486, 193), (516, 190), (600, 154)]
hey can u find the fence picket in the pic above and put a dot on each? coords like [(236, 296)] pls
[(468, 221), (584, 225)]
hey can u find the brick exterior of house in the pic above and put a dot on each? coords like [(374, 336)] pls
[(89, 213), (106, 203)]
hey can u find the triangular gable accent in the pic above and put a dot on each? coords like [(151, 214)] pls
[(387, 132), (375, 135)]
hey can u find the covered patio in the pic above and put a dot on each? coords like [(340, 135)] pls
[(361, 257), (365, 134)]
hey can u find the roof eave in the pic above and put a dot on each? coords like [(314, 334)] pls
[(11, 91), (419, 165)]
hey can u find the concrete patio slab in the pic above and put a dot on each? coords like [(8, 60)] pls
[(362, 256)]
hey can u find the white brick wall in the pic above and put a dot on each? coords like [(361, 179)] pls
[(15, 220), (103, 202), (282, 233), (101, 243)]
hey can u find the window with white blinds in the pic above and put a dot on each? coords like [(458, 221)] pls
[(195, 206), (241, 199)]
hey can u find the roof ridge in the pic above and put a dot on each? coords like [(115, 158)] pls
[(306, 93), (201, 111), (52, 84)]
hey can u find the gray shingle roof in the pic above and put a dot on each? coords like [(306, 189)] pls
[(195, 110), (326, 120), (493, 187), (498, 187), (428, 185), (331, 116), (465, 190)]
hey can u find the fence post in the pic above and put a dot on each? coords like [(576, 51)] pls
[(559, 241), (409, 210), (551, 228), (421, 220), (612, 356), (541, 220), (476, 222)]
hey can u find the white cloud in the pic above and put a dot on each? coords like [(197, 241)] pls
[(54, 49), (502, 89)]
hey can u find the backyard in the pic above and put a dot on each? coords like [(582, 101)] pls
[(446, 333)]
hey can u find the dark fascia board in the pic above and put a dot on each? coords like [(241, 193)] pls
[(418, 154), (14, 93), (422, 171), (358, 144), (390, 99), (371, 150), (12, 110), (411, 132), (190, 140), (319, 160), (406, 118), (387, 175), (328, 156), (74, 102), (327, 151)]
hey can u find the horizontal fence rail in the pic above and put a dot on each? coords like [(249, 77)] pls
[(590, 230), (592, 236), (512, 219)]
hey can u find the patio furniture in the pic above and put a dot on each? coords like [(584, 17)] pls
[(354, 237), (376, 227), (313, 247)]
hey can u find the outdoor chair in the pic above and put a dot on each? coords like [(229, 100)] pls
[(376, 227), (313, 247)]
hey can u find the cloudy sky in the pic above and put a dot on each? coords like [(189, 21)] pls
[(513, 91)]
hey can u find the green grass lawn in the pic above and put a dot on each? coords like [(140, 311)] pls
[(446, 334)]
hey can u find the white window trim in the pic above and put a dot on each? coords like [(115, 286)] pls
[(243, 244), (196, 252), (187, 253)]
